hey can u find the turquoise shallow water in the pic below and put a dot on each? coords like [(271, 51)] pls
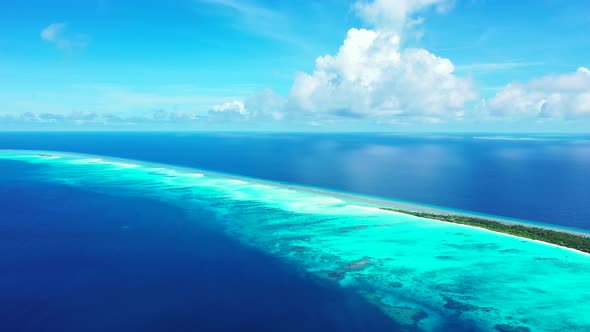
[(420, 272)]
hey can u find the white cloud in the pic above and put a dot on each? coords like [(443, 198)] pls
[(53, 32), (231, 111), (56, 33), (552, 96), (261, 106), (235, 106), (372, 76), (394, 15)]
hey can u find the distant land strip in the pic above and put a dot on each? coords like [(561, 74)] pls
[(564, 239)]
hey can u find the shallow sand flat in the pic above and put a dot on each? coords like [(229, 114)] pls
[(423, 273)]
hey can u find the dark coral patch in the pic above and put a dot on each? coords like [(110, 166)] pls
[(334, 276), (357, 265), (443, 257), (457, 305), (510, 250), (461, 307), (510, 328), (407, 316), (351, 228), (298, 248)]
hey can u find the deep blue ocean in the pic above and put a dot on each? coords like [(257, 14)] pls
[(76, 260), (537, 178)]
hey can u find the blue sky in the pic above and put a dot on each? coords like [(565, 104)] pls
[(426, 65)]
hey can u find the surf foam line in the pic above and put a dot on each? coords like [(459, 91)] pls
[(423, 274)]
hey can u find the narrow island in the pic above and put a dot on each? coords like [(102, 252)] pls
[(560, 238)]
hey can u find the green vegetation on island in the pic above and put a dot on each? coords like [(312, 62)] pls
[(565, 239)]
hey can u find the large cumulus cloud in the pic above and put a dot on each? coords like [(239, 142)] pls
[(372, 76)]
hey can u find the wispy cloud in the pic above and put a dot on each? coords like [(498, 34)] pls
[(259, 19), (73, 120), (244, 8), (57, 34)]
